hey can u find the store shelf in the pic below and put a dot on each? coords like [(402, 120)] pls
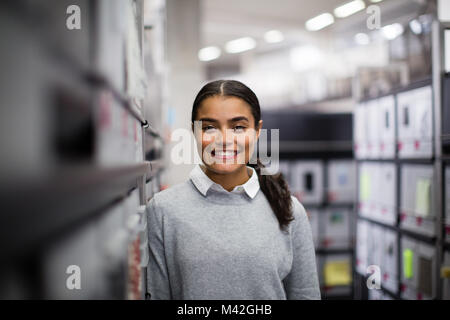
[(34, 212), (412, 234), (93, 78), (382, 224), (316, 146), (98, 80), (337, 292), (156, 166), (347, 205), (389, 293), (413, 85), (326, 204), (431, 240), (400, 161), (326, 251), (434, 162), (86, 173)]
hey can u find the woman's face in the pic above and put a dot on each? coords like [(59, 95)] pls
[(226, 133)]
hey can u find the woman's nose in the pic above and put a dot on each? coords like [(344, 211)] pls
[(225, 137)]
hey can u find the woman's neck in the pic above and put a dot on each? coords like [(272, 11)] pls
[(230, 180)]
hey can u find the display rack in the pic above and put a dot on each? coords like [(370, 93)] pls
[(419, 204), (319, 169), (79, 197)]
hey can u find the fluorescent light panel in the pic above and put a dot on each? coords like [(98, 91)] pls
[(273, 36), (349, 8), (240, 45), (209, 53), (392, 31), (319, 22)]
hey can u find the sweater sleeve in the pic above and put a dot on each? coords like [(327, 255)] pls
[(157, 274), (302, 281)]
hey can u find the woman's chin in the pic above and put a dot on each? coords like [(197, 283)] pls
[(225, 167)]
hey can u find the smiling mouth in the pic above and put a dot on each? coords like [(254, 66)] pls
[(228, 154)]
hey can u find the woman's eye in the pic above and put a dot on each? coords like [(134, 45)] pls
[(208, 128), (239, 128)]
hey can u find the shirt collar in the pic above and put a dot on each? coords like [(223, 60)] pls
[(203, 183)]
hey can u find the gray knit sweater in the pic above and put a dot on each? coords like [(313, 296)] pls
[(227, 246)]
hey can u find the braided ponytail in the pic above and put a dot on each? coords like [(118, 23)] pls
[(276, 190), (274, 187)]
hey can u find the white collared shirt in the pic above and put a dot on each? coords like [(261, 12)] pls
[(203, 183)]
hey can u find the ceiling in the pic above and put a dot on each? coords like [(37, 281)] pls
[(223, 21)]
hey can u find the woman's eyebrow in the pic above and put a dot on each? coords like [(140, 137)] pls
[(235, 119), (208, 119)]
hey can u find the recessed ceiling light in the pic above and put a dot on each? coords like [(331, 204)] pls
[(319, 22), (415, 26), (362, 39), (349, 8), (392, 31), (273, 36), (209, 53), (240, 45)]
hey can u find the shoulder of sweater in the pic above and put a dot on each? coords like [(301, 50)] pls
[(167, 202), (298, 211), (173, 192)]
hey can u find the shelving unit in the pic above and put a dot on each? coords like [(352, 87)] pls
[(419, 202), (83, 161), (320, 172), (331, 220)]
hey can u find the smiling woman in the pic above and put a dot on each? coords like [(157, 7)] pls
[(230, 118), (216, 236), (227, 138)]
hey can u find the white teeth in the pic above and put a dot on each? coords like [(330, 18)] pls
[(224, 154)]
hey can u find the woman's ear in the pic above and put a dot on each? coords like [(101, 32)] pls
[(258, 129)]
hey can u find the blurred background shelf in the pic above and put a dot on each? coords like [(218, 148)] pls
[(51, 206)]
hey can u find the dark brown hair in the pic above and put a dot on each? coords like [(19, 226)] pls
[(274, 187)]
